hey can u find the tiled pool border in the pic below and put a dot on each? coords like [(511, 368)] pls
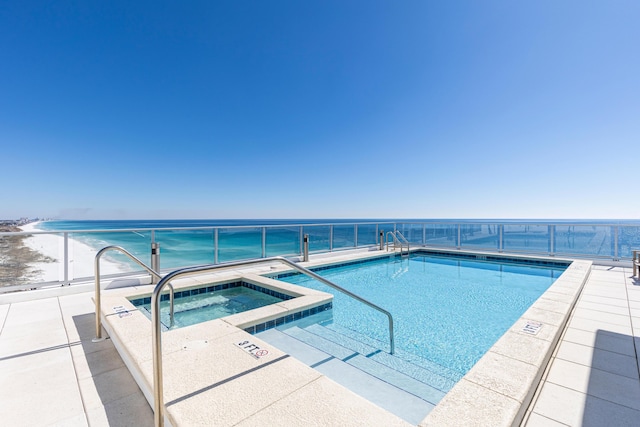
[(261, 327), (480, 257), (254, 329), (214, 288)]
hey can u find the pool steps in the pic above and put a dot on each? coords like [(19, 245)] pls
[(387, 396), (415, 367), (399, 386), (371, 366)]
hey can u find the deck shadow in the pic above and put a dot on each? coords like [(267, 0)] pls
[(109, 393), (613, 390)]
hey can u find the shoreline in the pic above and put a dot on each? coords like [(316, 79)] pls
[(18, 260), (37, 258)]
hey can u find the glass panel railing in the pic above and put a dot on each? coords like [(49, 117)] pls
[(480, 236), (86, 246), (40, 257), (239, 243), (628, 240), (367, 234), (594, 240), (412, 232), (31, 258), (184, 248), (526, 238), (441, 234), (47, 250), (319, 237), (283, 241), (343, 236)]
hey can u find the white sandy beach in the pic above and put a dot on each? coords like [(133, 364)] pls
[(81, 257)]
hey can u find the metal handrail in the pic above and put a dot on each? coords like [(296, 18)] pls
[(401, 237), (397, 238), (158, 400), (387, 240), (98, 291)]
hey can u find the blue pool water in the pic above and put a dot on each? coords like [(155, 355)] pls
[(446, 310)]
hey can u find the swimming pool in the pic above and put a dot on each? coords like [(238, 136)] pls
[(448, 310)]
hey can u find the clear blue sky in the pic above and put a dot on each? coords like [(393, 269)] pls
[(320, 109)]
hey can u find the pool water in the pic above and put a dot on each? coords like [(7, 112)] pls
[(200, 307), (449, 311)]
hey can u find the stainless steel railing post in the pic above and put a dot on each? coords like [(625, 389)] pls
[(65, 257), (96, 266), (155, 261), (305, 248)]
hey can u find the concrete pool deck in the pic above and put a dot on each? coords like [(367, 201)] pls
[(48, 362)]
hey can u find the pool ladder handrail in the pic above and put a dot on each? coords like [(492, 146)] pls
[(398, 239), (158, 412), (151, 271), (403, 240)]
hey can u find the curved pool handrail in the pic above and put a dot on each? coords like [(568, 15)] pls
[(403, 240), (398, 238), (158, 401), (97, 282)]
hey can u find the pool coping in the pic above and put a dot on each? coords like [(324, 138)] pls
[(499, 388), (496, 391)]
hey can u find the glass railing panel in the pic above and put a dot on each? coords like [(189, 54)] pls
[(526, 237), (411, 232), (343, 236), (319, 237), (367, 234), (595, 240), (83, 248), (184, 248), (283, 241), (628, 240), (480, 236), (441, 234), (239, 243), (30, 258)]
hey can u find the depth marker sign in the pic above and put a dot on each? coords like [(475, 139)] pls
[(121, 311), (532, 328), (252, 349)]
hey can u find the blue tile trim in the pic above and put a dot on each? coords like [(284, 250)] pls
[(288, 318), (495, 258), (214, 288), (465, 256)]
